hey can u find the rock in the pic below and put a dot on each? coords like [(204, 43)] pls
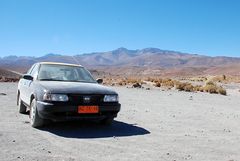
[(26, 122), (188, 157), (137, 85)]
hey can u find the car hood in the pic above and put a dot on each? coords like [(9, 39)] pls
[(75, 87)]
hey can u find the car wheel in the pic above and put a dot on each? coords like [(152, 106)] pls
[(107, 121), (21, 107), (35, 120)]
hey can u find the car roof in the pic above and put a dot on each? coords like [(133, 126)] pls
[(58, 63)]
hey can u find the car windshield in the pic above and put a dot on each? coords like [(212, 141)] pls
[(55, 72)]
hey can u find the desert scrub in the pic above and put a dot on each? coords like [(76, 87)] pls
[(198, 88), (149, 79), (180, 86), (222, 91), (126, 81), (165, 80), (211, 87), (198, 79), (188, 87), (157, 81), (122, 83), (210, 83), (108, 81), (157, 84), (133, 81), (168, 83)]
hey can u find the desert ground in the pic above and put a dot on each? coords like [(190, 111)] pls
[(153, 125)]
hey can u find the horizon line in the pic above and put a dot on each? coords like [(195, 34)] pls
[(93, 52)]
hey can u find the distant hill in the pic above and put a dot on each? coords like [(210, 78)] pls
[(125, 59)]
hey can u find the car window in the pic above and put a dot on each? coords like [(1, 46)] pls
[(53, 72), (34, 71), (30, 70)]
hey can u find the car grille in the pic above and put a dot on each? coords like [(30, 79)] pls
[(76, 99)]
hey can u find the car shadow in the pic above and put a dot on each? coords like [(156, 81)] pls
[(94, 130)]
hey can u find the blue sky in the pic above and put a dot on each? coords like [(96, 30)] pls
[(70, 27)]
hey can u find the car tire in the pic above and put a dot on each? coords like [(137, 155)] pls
[(21, 107), (35, 120), (107, 121)]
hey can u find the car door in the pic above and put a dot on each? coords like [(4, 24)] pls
[(30, 84), (23, 86)]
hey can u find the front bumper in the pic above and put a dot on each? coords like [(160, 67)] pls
[(63, 112)]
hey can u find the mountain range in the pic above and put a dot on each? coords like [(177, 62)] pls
[(122, 58)]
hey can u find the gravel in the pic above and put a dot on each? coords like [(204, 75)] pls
[(152, 125)]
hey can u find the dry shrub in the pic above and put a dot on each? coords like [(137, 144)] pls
[(224, 77), (158, 84), (188, 87), (168, 83), (159, 80), (201, 89), (234, 79), (107, 81), (150, 79), (122, 83), (198, 88), (210, 83), (220, 79), (132, 80), (211, 88), (222, 91), (198, 79), (127, 81), (165, 80), (180, 86)]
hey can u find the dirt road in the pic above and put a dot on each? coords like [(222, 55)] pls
[(152, 125)]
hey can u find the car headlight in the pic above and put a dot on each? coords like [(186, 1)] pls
[(110, 98), (55, 97)]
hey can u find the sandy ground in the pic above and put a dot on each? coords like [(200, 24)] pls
[(152, 125)]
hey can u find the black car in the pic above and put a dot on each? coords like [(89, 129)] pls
[(60, 92)]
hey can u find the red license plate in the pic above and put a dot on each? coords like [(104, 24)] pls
[(88, 109)]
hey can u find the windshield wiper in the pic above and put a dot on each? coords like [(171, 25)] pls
[(49, 79)]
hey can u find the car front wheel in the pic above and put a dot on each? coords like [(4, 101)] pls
[(35, 120)]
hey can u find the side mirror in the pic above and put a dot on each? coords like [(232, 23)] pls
[(99, 80), (27, 77)]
